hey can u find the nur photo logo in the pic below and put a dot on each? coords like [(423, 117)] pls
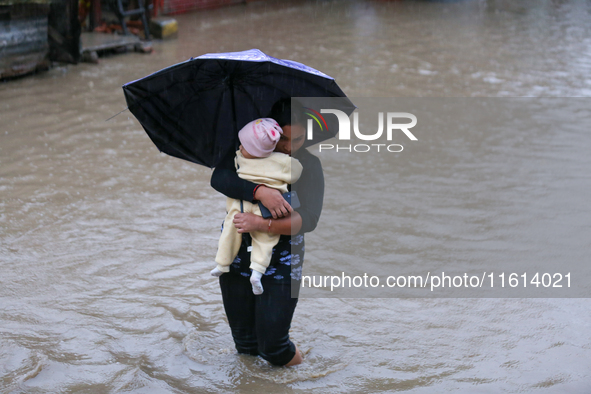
[(390, 125)]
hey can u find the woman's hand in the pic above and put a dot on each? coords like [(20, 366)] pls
[(273, 201), (249, 222)]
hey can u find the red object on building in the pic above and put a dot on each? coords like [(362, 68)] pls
[(179, 6)]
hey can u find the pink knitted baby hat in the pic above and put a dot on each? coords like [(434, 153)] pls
[(260, 136)]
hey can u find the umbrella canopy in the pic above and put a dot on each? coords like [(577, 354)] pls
[(193, 110)]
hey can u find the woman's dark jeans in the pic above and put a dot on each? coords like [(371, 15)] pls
[(260, 323)]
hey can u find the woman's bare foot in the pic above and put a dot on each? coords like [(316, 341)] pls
[(297, 359)]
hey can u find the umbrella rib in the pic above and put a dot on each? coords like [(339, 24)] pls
[(218, 112), (252, 100), (189, 80), (169, 141)]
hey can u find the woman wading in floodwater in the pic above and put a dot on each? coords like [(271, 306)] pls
[(260, 323)]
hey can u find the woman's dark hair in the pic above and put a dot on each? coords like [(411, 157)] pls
[(288, 112)]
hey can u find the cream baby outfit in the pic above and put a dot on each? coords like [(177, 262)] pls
[(276, 171)]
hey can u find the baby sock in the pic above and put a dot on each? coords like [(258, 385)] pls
[(216, 272), (255, 281)]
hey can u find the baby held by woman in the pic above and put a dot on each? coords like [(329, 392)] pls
[(256, 162)]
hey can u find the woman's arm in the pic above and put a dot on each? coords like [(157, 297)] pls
[(273, 200), (226, 181), (249, 222), (310, 188)]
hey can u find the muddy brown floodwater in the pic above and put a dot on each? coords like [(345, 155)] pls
[(106, 244)]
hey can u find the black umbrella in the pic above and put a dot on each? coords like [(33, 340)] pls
[(193, 110)]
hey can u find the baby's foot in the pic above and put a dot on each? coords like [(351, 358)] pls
[(216, 272), (255, 281)]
